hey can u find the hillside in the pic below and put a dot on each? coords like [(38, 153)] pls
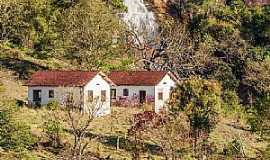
[(219, 51)]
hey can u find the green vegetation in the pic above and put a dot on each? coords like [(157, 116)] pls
[(219, 50), (14, 135), (83, 34)]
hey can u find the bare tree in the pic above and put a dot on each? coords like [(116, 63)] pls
[(174, 50), (79, 122)]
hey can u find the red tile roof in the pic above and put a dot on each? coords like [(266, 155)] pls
[(137, 78), (61, 78)]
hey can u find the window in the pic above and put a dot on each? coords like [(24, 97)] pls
[(103, 96), (36, 95), (160, 95), (113, 93), (125, 92), (90, 95), (51, 93)]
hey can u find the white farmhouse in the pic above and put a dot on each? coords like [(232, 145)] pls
[(139, 87), (84, 87)]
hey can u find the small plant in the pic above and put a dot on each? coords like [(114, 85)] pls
[(53, 130), (235, 148), (119, 4), (53, 105), (2, 87)]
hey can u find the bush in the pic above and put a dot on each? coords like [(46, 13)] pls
[(53, 130), (53, 105), (234, 148), (119, 4), (14, 135), (231, 104)]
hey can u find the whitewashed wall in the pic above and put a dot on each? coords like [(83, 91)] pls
[(134, 91), (97, 84), (59, 93), (164, 86)]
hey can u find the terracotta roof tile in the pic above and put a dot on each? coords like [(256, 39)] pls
[(137, 78), (61, 78)]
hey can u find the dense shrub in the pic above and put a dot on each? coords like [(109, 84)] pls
[(53, 130), (14, 135)]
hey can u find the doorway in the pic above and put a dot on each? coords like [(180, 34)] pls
[(37, 97), (142, 95)]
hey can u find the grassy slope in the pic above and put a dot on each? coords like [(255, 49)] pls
[(11, 88), (108, 128)]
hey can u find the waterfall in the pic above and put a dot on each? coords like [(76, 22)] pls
[(139, 19)]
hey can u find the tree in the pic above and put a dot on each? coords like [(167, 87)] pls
[(200, 100), (91, 34), (259, 119), (79, 123), (257, 77), (53, 126), (173, 136), (168, 132)]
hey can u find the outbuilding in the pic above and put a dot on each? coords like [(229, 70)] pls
[(142, 87), (85, 88)]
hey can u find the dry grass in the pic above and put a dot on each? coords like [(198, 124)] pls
[(109, 127), (227, 130), (11, 88), (105, 129)]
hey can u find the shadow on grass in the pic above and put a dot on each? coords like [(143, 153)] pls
[(22, 68), (125, 144), (128, 145)]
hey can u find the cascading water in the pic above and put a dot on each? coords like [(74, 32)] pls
[(139, 19)]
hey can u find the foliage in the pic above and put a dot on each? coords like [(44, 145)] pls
[(227, 41), (231, 105), (257, 76), (200, 100), (118, 4), (53, 106), (84, 31), (259, 119), (53, 126), (173, 136), (234, 149), (14, 135), (90, 31), (53, 130)]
